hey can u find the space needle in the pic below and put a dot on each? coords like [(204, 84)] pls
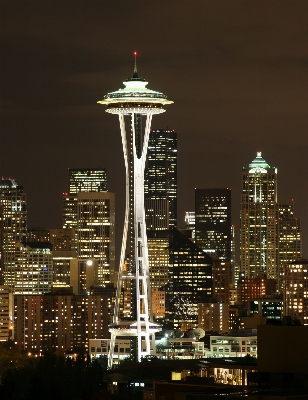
[(137, 103)]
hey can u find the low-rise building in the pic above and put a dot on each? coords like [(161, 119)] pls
[(232, 346)]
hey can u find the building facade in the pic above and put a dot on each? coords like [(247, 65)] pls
[(158, 251), (233, 346), (296, 291), (290, 239), (87, 180), (251, 288), (33, 270), (259, 220), (213, 317), (6, 323), (63, 239), (190, 222), (81, 180), (213, 221), (161, 175), (67, 322), (221, 280), (61, 268), (189, 281), (96, 231), (13, 226), (83, 275), (90, 210)]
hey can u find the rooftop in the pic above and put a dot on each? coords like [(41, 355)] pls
[(135, 91), (259, 162)]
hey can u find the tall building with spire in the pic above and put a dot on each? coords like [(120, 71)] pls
[(13, 225), (135, 101), (161, 180), (259, 220)]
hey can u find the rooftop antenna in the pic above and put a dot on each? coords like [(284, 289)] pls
[(135, 67)]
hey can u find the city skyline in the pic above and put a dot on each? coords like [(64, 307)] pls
[(236, 74)]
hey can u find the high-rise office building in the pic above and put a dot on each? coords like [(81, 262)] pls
[(81, 180), (259, 220), (157, 213), (290, 239), (296, 291), (33, 268), (64, 246), (221, 280), (90, 210), (38, 234), (63, 239), (83, 275), (6, 326), (190, 223), (96, 231), (61, 268), (161, 176), (158, 250), (13, 226), (189, 280), (213, 221), (88, 180)]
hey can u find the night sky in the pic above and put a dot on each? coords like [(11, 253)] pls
[(236, 71)]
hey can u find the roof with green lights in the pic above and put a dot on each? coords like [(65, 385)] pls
[(259, 162)]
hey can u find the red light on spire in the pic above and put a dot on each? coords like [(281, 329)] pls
[(135, 53)]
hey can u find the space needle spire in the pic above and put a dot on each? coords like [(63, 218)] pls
[(135, 67), (137, 103)]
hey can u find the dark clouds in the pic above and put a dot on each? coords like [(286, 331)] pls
[(236, 70)]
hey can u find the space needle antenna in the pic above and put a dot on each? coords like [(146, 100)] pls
[(135, 67)]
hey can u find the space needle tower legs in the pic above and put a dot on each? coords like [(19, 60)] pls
[(135, 101)]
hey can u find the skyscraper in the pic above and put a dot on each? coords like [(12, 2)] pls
[(88, 180), (213, 221), (158, 248), (13, 225), (190, 223), (189, 280), (296, 290), (290, 239), (33, 269), (161, 177), (81, 180), (259, 220), (96, 231), (90, 210)]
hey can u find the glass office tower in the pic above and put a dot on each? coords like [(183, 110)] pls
[(259, 220)]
